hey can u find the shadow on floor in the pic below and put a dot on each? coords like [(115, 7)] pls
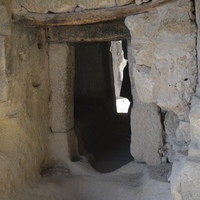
[(112, 155), (105, 137)]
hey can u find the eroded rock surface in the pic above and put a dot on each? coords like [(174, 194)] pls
[(164, 50)]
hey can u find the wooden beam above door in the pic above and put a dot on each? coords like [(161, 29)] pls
[(109, 31), (87, 16)]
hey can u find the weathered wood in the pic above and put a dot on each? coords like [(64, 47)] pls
[(87, 16), (110, 31)]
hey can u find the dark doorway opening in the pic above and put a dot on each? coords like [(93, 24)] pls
[(101, 131)]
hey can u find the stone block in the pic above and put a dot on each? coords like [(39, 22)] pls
[(44, 6), (60, 6), (138, 2), (123, 2), (61, 72), (146, 134), (3, 76), (183, 132), (88, 4), (63, 148), (146, 138)]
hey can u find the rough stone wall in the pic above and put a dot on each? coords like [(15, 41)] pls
[(23, 104), (186, 171), (164, 71), (60, 6), (163, 45), (146, 127)]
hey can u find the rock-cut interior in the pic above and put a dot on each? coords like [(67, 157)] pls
[(62, 69)]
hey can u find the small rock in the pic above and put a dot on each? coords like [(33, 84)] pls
[(138, 2)]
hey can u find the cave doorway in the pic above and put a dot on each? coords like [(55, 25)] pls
[(100, 129)]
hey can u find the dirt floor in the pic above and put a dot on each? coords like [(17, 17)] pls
[(133, 181), (112, 174)]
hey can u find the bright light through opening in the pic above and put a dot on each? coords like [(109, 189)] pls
[(122, 105)]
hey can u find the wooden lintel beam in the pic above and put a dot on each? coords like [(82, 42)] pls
[(87, 16), (109, 31)]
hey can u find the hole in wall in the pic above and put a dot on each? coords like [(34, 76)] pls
[(36, 85), (36, 81), (102, 132)]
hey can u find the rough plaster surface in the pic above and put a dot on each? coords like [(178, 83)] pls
[(24, 107), (164, 50), (61, 72)]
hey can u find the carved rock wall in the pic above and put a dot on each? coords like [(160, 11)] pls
[(23, 104)]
